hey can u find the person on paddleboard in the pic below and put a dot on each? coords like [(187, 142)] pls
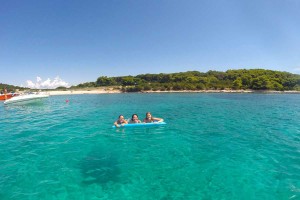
[(121, 121), (150, 119), (134, 119)]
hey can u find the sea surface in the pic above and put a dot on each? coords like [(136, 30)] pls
[(214, 146)]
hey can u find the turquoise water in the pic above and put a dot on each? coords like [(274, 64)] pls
[(214, 146)]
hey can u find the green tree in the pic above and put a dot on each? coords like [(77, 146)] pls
[(261, 83), (237, 84), (192, 79), (128, 80), (256, 79), (147, 87), (105, 81), (277, 86)]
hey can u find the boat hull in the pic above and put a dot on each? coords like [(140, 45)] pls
[(4, 97), (26, 98)]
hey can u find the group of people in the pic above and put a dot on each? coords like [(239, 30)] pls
[(135, 119)]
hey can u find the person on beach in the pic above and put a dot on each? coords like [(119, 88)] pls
[(121, 121), (134, 119), (150, 119)]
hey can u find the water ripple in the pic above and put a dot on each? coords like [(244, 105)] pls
[(214, 146)]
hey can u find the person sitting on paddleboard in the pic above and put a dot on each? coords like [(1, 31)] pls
[(150, 119), (134, 119), (121, 121)]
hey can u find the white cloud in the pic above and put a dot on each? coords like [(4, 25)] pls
[(47, 84), (30, 84), (38, 79)]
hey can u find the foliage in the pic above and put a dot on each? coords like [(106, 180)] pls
[(237, 83), (255, 79), (61, 88), (11, 88), (84, 85)]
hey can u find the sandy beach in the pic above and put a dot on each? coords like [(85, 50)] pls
[(93, 91), (116, 91)]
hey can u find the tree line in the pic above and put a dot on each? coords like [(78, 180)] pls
[(10, 88), (255, 79)]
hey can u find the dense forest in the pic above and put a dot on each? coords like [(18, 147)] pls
[(254, 79)]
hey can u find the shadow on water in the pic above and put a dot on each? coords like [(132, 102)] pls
[(100, 166)]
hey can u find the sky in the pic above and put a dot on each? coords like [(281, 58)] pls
[(51, 43)]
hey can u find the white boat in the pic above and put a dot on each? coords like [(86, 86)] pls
[(26, 98)]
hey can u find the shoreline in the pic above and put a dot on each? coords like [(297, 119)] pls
[(71, 92), (111, 91)]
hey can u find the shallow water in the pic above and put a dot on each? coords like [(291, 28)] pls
[(214, 146)]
